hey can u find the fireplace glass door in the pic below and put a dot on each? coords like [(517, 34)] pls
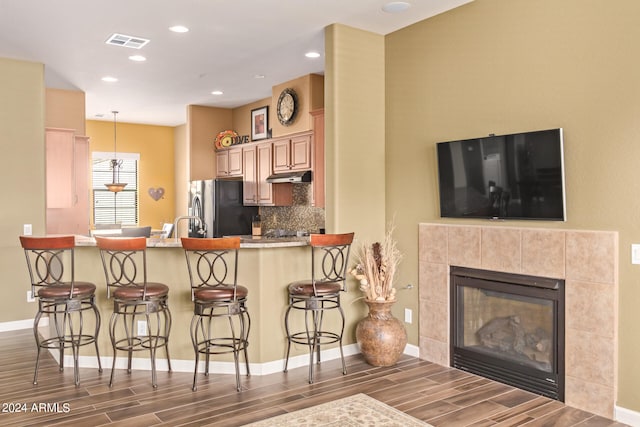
[(507, 327)]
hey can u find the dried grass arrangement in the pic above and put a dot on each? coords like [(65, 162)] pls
[(376, 267)]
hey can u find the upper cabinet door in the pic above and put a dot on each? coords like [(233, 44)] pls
[(250, 181), (222, 163), (235, 162), (301, 152), (292, 154), (229, 163), (281, 154), (265, 195), (60, 168)]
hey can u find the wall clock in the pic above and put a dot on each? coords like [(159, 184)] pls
[(287, 106)]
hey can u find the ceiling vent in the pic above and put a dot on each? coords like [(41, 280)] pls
[(127, 41)]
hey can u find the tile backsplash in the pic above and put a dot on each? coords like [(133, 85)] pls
[(300, 216)]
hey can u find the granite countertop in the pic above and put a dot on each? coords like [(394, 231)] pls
[(249, 242)]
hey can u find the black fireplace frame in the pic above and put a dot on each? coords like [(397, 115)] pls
[(549, 384)]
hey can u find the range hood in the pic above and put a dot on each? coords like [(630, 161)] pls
[(295, 177)]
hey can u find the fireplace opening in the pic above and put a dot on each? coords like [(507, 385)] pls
[(509, 328)]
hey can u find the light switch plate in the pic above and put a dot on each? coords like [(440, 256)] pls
[(635, 253), (142, 328), (407, 315), (27, 230)]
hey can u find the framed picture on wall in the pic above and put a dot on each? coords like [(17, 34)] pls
[(259, 123)]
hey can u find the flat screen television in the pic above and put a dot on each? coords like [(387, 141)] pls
[(516, 176)]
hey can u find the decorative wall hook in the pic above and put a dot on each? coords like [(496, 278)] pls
[(156, 193)]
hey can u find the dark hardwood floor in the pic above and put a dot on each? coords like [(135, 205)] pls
[(438, 395)]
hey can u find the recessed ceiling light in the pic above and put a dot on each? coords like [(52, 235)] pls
[(217, 92), (312, 55), (109, 79), (396, 6), (179, 29), (137, 58), (258, 76)]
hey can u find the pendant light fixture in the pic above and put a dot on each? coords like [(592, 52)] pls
[(115, 185)]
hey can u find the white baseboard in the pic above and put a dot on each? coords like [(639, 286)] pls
[(17, 325), (412, 350), (626, 416), (187, 365), (144, 364)]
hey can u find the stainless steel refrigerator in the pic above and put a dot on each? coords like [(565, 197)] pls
[(219, 204)]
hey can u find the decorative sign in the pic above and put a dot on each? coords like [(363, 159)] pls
[(156, 193), (227, 138)]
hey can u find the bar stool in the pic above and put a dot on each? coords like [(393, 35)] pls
[(329, 258), (219, 302), (134, 300), (51, 269)]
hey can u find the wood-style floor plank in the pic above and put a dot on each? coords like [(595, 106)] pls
[(439, 395)]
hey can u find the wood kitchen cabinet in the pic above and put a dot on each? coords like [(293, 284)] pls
[(292, 153), (250, 181), (229, 163), (67, 182), (257, 161), (59, 146)]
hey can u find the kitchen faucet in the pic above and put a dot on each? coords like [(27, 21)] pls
[(201, 231)]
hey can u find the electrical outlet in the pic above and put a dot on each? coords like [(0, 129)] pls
[(407, 315), (27, 229), (635, 253), (142, 328), (30, 297)]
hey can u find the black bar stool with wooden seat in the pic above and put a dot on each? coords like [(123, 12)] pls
[(219, 302), (61, 297), (134, 300), (321, 293)]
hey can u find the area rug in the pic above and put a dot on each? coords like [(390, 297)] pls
[(356, 410)]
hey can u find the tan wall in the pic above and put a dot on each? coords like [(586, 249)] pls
[(65, 109), (203, 124), (156, 167), (354, 145), (242, 116), (22, 142), (206, 122), (500, 66), (308, 89), (317, 92)]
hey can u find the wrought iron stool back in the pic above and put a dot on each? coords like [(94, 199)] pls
[(134, 300), (51, 265), (219, 302), (329, 262)]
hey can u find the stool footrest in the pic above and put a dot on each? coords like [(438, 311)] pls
[(322, 338), (224, 345), (67, 341), (140, 343)]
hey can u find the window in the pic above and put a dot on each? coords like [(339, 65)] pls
[(112, 208)]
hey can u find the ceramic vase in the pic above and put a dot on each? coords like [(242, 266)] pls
[(381, 336)]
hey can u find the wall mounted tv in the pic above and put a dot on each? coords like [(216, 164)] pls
[(517, 176)]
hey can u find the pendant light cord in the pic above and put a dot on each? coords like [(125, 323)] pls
[(115, 139)]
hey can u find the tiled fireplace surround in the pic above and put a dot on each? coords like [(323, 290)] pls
[(587, 260)]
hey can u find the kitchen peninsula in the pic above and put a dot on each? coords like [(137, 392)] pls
[(266, 266)]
